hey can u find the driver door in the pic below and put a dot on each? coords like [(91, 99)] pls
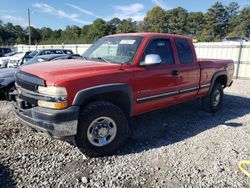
[(155, 85)]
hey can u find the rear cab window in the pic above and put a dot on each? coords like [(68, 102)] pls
[(184, 51)]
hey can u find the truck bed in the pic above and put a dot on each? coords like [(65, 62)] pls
[(210, 66)]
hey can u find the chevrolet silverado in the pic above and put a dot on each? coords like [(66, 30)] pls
[(121, 76)]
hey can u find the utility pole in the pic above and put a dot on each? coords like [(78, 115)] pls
[(29, 27)]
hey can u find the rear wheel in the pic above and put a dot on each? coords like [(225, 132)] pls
[(213, 102), (102, 129)]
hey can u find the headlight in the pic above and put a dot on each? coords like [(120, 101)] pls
[(3, 62), (52, 91), (58, 94)]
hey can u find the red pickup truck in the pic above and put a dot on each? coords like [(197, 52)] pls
[(121, 76)]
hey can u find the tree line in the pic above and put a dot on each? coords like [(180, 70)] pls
[(216, 23)]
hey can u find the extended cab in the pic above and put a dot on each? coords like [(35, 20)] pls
[(121, 76)]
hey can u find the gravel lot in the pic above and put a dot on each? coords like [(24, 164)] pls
[(181, 146)]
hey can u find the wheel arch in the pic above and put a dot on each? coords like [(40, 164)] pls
[(119, 94), (219, 77)]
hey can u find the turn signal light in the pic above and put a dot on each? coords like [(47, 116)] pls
[(53, 105)]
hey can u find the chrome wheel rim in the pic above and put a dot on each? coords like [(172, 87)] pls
[(101, 131), (216, 99)]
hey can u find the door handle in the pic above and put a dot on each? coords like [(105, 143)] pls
[(175, 72)]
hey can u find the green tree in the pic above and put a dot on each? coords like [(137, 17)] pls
[(127, 26), (9, 33), (35, 35), (232, 12), (71, 34), (1, 32), (56, 35), (216, 20), (84, 34), (113, 24), (195, 23), (97, 30), (20, 35), (177, 20), (241, 23), (156, 21), (46, 33), (140, 26)]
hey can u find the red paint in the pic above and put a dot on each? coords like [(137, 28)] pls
[(76, 75)]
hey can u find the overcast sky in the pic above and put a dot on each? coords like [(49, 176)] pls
[(60, 13)]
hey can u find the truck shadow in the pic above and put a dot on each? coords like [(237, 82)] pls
[(6, 180), (171, 125)]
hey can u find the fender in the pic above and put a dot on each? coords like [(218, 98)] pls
[(215, 76), (84, 94), (8, 81)]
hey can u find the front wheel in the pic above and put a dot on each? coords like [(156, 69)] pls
[(11, 88), (102, 129), (213, 102)]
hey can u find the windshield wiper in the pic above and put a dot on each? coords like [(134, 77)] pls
[(104, 59), (101, 58), (84, 58)]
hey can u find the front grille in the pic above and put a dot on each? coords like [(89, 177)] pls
[(28, 81), (29, 101), (26, 85)]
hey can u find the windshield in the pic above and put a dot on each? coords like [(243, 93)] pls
[(114, 49), (33, 53), (35, 60), (10, 54)]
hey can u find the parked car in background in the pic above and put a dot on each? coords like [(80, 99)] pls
[(11, 54), (5, 60), (47, 52), (4, 51), (7, 78), (236, 39), (17, 60)]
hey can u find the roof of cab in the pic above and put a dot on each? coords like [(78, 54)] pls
[(150, 35), (54, 49)]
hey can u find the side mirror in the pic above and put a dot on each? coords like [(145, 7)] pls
[(151, 59)]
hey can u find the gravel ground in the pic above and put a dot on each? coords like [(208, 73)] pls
[(181, 146)]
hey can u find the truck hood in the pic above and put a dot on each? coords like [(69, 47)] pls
[(64, 70), (4, 58)]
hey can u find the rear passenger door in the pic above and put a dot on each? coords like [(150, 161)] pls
[(188, 69)]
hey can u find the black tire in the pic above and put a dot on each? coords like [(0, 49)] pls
[(92, 112), (209, 102), (8, 90)]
